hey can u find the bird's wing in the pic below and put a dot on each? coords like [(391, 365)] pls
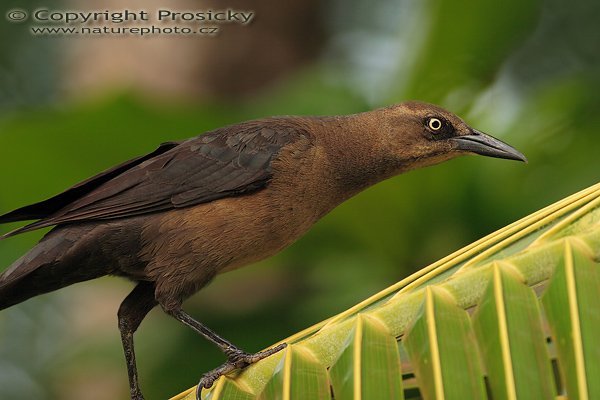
[(222, 163)]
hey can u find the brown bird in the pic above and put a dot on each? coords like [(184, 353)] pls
[(173, 219)]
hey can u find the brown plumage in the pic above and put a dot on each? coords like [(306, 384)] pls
[(174, 219)]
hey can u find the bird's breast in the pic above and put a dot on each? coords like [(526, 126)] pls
[(232, 232)]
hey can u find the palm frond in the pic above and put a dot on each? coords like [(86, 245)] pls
[(510, 316)]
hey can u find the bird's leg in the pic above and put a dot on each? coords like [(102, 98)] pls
[(236, 358), (131, 313)]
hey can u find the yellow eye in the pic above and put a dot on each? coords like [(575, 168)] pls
[(434, 124)]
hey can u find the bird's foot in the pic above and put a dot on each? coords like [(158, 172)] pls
[(240, 359), (236, 359)]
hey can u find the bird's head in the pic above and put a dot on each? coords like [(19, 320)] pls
[(420, 134)]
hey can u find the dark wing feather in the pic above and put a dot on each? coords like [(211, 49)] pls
[(226, 162), (48, 207)]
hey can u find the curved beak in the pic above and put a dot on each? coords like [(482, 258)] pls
[(486, 145)]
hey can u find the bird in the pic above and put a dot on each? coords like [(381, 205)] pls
[(172, 220)]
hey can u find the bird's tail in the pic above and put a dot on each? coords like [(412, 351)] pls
[(50, 265)]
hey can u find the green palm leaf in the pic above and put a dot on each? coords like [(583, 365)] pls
[(510, 316)]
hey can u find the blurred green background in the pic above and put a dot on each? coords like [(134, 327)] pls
[(527, 72)]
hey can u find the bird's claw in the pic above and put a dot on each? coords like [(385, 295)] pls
[(241, 359), (236, 359)]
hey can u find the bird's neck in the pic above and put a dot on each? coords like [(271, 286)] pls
[(354, 153)]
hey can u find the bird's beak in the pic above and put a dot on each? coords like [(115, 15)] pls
[(480, 143)]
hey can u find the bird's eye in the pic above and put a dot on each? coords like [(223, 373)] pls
[(434, 124)]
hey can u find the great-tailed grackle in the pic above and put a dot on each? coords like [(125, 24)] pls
[(173, 219)]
